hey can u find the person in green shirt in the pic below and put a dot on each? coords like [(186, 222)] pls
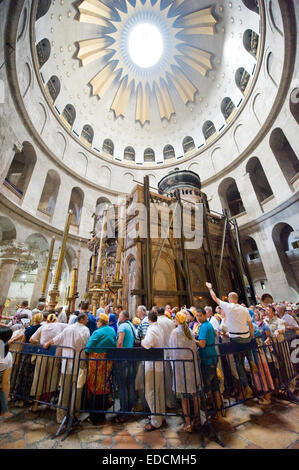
[(99, 375)]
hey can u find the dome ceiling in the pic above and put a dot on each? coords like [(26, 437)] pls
[(144, 83), (138, 114)]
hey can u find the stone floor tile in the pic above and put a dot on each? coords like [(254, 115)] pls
[(35, 436), (71, 442), (268, 437), (125, 441), (20, 444), (89, 435), (153, 439), (232, 440)]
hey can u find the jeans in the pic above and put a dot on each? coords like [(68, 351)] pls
[(125, 376), (239, 359)]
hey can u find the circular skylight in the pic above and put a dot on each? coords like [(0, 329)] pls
[(145, 45)]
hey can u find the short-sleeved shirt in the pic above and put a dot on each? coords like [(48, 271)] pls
[(30, 331), (104, 337), (91, 324), (142, 328), (208, 354), (129, 336), (237, 318), (6, 363)]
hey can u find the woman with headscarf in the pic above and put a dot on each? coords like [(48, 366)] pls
[(45, 380), (23, 370), (186, 378), (99, 369), (113, 322)]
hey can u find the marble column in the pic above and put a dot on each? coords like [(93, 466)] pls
[(10, 253)]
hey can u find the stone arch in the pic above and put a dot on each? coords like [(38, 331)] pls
[(208, 129), (21, 168), (108, 147), (129, 154), (61, 144), (275, 17), (242, 78), (258, 107), (69, 114), (252, 5), (81, 163), (128, 179), (43, 118), (22, 24), (216, 158), (270, 68), (42, 8), (164, 278), (188, 144), (76, 205), (49, 194), (43, 51), (251, 41), (194, 167), (87, 134), (168, 152), (149, 155), (28, 79), (284, 154), (230, 197), (294, 104), (227, 107), (105, 176), (53, 87), (7, 229), (258, 179), (286, 244), (255, 264)]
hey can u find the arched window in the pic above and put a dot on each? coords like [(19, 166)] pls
[(230, 197), (7, 229), (168, 152), (258, 179), (69, 114), (76, 204), (208, 129), (87, 134), (129, 154), (53, 87), (242, 78), (294, 104), (188, 144), (43, 50), (227, 107), (286, 243), (284, 154), (49, 195), (250, 42), (108, 147), (250, 249), (149, 155), (20, 170), (42, 8), (253, 5)]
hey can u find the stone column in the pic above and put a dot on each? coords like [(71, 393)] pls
[(41, 270), (10, 253)]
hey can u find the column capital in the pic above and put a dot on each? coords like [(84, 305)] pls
[(12, 250)]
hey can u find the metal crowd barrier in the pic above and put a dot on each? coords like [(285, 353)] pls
[(156, 383), (44, 376)]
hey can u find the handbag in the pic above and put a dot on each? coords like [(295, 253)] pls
[(137, 342)]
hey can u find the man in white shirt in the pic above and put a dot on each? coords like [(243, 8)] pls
[(166, 326), (154, 377), (24, 309), (74, 336), (289, 321), (240, 330), (211, 318)]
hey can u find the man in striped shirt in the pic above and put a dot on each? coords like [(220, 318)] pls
[(144, 324)]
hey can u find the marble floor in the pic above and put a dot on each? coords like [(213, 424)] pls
[(251, 426)]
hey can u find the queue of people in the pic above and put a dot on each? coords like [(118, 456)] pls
[(192, 371)]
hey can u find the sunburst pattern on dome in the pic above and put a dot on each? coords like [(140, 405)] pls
[(111, 46)]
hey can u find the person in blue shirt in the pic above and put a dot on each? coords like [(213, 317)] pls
[(92, 322), (125, 372), (208, 356)]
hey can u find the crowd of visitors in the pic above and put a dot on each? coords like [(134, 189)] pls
[(192, 368)]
